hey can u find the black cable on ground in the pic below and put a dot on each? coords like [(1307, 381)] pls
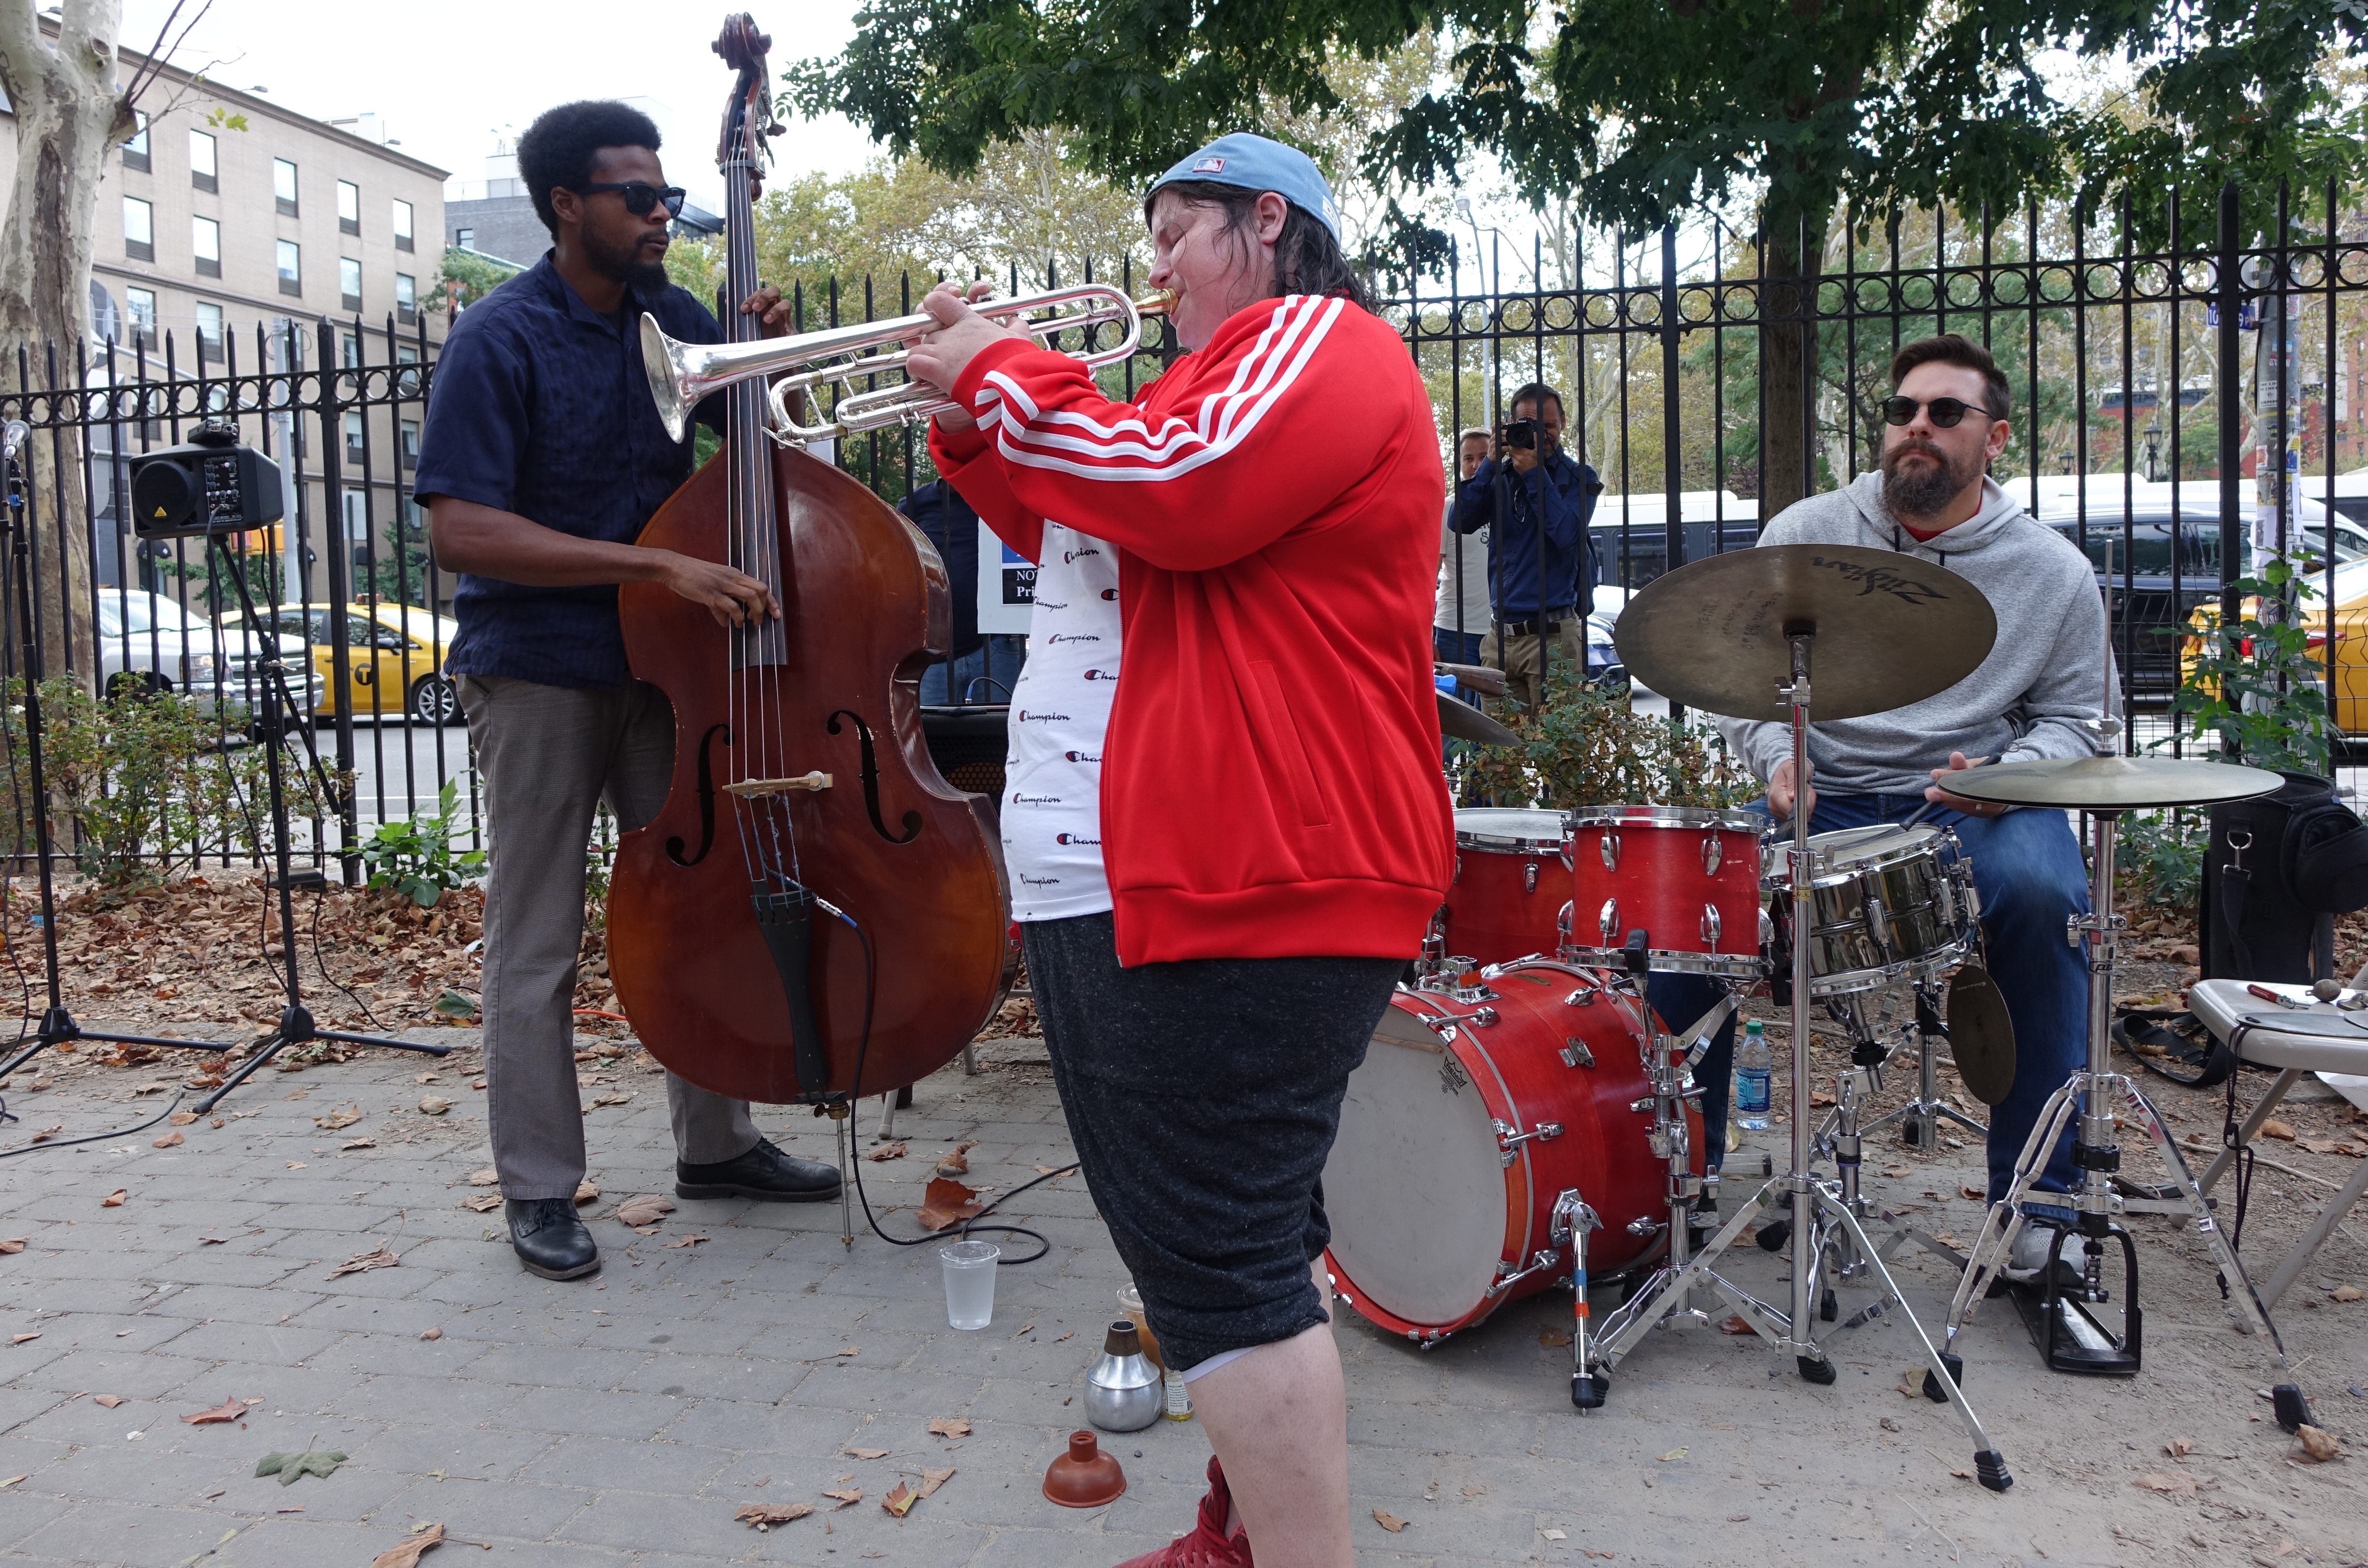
[(98, 1136), (855, 1103)]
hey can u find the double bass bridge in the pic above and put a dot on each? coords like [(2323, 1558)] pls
[(756, 789)]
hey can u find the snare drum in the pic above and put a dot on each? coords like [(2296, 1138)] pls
[(1511, 882), (1466, 1121), (1886, 904), (1686, 877)]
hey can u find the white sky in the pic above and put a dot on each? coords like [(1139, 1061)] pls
[(447, 76)]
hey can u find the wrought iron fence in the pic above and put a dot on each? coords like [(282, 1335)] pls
[(2151, 381)]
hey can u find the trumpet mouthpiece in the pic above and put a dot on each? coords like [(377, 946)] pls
[(1158, 302)]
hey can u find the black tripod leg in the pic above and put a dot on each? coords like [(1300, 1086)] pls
[(246, 1068)]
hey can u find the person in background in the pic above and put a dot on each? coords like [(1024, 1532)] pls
[(983, 669), (1535, 502), (1462, 618)]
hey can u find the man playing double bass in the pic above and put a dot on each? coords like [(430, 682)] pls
[(542, 459)]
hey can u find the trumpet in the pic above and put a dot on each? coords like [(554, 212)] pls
[(682, 374)]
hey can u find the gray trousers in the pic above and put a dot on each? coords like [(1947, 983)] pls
[(547, 754)]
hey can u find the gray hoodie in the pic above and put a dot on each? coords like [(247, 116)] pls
[(2035, 696)]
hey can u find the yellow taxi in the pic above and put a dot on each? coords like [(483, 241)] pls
[(2346, 693), (395, 656)]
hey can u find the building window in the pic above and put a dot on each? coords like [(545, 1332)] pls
[(139, 229), (349, 351), (350, 208), (465, 239), (349, 282), (205, 243), (353, 438), (284, 185), (357, 525), (135, 151), (407, 298), (210, 330), (201, 160), (140, 305), (409, 435), (292, 268), (407, 382), (403, 225)]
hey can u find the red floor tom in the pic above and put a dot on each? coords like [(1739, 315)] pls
[(1510, 885), (1473, 1111), (1688, 877)]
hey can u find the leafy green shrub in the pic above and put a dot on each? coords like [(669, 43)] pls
[(2163, 852), (144, 783), (1588, 747), (415, 856), (2255, 688)]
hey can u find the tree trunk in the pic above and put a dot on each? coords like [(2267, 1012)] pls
[(1792, 261), (70, 114)]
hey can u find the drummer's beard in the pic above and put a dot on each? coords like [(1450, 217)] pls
[(1920, 490)]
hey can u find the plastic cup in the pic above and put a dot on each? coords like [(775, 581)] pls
[(969, 1268)]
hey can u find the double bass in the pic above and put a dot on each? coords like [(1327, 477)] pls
[(813, 897)]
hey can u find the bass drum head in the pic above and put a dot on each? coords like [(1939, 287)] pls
[(1415, 1189)]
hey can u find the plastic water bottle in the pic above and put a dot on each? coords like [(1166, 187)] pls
[(1751, 1072)]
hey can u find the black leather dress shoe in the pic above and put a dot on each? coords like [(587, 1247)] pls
[(548, 1238), (763, 1171)]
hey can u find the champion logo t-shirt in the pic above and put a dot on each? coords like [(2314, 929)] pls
[(1060, 711)]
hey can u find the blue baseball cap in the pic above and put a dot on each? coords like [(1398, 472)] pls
[(1259, 163)]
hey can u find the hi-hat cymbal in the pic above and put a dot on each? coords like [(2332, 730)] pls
[(2112, 783), (1890, 630), (1462, 721)]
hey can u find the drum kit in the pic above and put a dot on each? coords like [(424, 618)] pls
[(1524, 1119)]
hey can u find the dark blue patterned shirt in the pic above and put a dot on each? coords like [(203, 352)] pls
[(539, 406)]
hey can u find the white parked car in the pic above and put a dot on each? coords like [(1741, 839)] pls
[(1600, 654), (147, 641)]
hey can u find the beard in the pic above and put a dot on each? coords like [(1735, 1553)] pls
[(625, 266), (1920, 490)]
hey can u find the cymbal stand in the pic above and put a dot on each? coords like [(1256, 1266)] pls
[(1924, 1114), (2072, 1340), (1812, 1201)]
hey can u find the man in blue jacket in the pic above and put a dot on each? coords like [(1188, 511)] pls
[(1535, 502)]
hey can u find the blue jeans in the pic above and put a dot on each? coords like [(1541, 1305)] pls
[(2031, 876), (986, 674), (1463, 649)]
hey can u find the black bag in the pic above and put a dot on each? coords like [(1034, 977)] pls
[(2277, 869)]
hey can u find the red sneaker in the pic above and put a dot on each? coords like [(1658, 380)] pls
[(1207, 1546)]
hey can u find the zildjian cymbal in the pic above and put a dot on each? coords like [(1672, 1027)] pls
[(1462, 721), (1889, 630), (2112, 783)]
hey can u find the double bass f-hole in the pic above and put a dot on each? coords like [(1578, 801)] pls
[(912, 823), (706, 798)]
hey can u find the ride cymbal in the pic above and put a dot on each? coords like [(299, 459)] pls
[(1890, 630), (2112, 783)]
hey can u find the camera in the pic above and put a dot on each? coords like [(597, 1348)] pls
[(1525, 434)]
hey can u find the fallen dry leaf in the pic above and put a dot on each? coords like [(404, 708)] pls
[(170, 1141), (113, 1199), (11, 1245), (900, 1500), (933, 1479), (434, 1105), (886, 1151), (2316, 1444), (619, 1098), (358, 1144), (1549, 1336), (866, 1453), (1977, 1193), (772, 1512), (431, 1334), (362, 1261), (949, 1426), (2273, 1128), (588, 1191), (2179, 1447), (1819, 1097), (686, 1241), (298, 1165), (182, 1118), (228, 1410), (426, 1077), (2155, 1481), (488, 1177), (1732, 1324), (1554, 1535), (1673, 1456), (20, 1338), (213, 1241), (407, 1553), (345, 1116), (1389, 1522), (947, 1203), (847, 1497), (485, 1204), (106, 1400), (2344, 1293), (1898, 1170), (956, 1162), (645, 1210)]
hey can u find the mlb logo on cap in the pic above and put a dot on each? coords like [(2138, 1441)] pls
[(1210, 166), (1259, 163)]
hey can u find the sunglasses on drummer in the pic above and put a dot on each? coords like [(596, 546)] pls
[(640, 197), (1947, 411)]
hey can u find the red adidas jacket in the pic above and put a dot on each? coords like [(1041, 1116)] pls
[(1272, 785)]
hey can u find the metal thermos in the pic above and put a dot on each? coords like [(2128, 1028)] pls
[(1123, 1393)]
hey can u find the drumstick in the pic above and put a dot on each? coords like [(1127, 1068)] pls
[(1929, 807)]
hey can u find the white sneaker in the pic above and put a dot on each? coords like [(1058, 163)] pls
[(2027, 1259)]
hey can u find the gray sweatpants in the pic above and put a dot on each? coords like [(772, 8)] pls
[(547, 754)]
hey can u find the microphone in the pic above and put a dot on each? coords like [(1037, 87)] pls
[(13, 436)]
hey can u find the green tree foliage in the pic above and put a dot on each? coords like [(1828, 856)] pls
[(464, 278)]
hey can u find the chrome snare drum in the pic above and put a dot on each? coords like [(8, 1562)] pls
[(1885, 903), (1686, 877)]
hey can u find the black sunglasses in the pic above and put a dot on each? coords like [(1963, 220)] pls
[(1947, 411), (639, 198)]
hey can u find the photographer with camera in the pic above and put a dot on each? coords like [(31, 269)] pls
[(1535, 502)]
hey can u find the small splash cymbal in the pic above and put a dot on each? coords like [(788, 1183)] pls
[(1981, 1035), (1890, 630), (1462, 721)]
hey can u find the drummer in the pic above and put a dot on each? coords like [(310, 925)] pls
[(2036, 696)]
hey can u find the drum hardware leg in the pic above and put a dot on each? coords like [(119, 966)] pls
[(1923, 1115), (1567, 1226), (1662, 1299)]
